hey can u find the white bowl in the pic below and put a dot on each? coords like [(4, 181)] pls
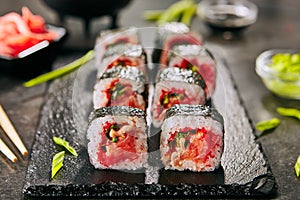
[(227, 14)]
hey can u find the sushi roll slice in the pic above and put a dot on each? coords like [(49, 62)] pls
[(108, 40), (176, 86), (198, 59), (173, 34), (120, 86), (124, 55), (196, 146), (117, 138)]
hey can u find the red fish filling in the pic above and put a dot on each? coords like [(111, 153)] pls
[(193, 144), (185, 64), (169, 98), (117, 145), (123, 61), (121, 94), (204, 69), (189, 39)]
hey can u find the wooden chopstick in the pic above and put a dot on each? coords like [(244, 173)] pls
[(7, 152), (11, 132)]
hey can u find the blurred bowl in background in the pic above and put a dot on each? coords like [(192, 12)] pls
[(36, 59), (227, 15), (88, 9), (284, 84)]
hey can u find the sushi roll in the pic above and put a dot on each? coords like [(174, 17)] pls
[(117, 138), (196, 146), (109, 40), (120, 86), (125, 55), (176, 86), (198, 59), (173, 34)]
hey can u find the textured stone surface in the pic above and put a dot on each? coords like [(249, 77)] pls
[(244, 171)]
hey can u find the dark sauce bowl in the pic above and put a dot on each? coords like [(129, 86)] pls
[(36, 59), (88, 9), (227, 15)]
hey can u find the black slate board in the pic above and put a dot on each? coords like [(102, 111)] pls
[(244, 170)]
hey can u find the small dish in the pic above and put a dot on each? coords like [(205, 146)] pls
[(88, 9), (35, 59), (283, 84), (227, 15)]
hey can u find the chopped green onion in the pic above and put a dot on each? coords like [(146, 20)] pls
[(61, 71), (297, 167), (290, 112), (57, 162), (175, 11), (115, 139), (165, 100), (188, 14), (181, 11), (286, 65), (286, 62), (118, 90), (267, 125), (152, 15), (114, 127), (65, 144)]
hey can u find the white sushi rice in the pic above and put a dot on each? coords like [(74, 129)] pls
[(99, 96), (191, 90), (94, 138), (104, 63), (175, 123)]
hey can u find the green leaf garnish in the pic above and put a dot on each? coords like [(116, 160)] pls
[(57, 163), (290, 112), (297, 167), (61, 71), (65, 144), (267, 125)]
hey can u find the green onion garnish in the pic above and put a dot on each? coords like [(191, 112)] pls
[(267, 125), (61, 71), (152, 15), (297, 167), (286, 63), (65, 144), (289, 112), (115, 139), (181, 11), (188, 14), (57, 162)]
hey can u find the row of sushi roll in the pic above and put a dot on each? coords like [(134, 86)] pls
[(117, 132), (191, 132)]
